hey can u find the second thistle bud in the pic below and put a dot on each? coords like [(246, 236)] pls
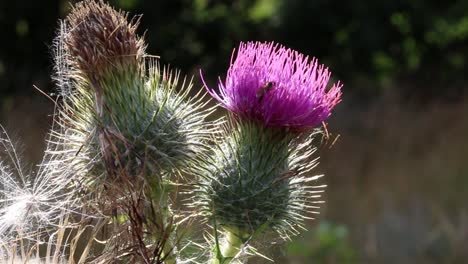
[(130, 113), (130, 130)]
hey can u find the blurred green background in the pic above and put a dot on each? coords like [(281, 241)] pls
[(397, 174)]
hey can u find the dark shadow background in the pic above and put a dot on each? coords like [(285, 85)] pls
[(397, 173)]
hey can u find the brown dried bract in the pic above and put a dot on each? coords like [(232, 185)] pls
[(99, 37)]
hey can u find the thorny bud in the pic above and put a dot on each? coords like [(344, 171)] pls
[(100, 37)]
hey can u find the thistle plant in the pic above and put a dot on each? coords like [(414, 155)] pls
[(259, 179), (129, 135), (132, 128)]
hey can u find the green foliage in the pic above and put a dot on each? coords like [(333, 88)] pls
[(326, 243)]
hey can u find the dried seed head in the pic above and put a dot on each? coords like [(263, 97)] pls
[(100, 37)]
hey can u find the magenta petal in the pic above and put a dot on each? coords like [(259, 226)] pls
[(278, 87)]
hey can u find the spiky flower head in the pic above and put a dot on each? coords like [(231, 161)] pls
[(278, 87), (128, 125), (259, 178), (100, 38)]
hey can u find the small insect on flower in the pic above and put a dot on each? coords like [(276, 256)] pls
[(264, 89)]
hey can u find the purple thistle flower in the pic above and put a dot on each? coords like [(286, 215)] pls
[(277, 86)]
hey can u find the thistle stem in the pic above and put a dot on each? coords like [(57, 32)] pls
[(160, 195), (229, 249)]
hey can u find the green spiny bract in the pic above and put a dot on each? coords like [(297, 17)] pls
[(145, 122), (258, 180)]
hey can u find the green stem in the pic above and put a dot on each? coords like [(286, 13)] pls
[(160, 195), (229, 249)]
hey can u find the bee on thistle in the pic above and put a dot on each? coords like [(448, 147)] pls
[(264, 89)]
